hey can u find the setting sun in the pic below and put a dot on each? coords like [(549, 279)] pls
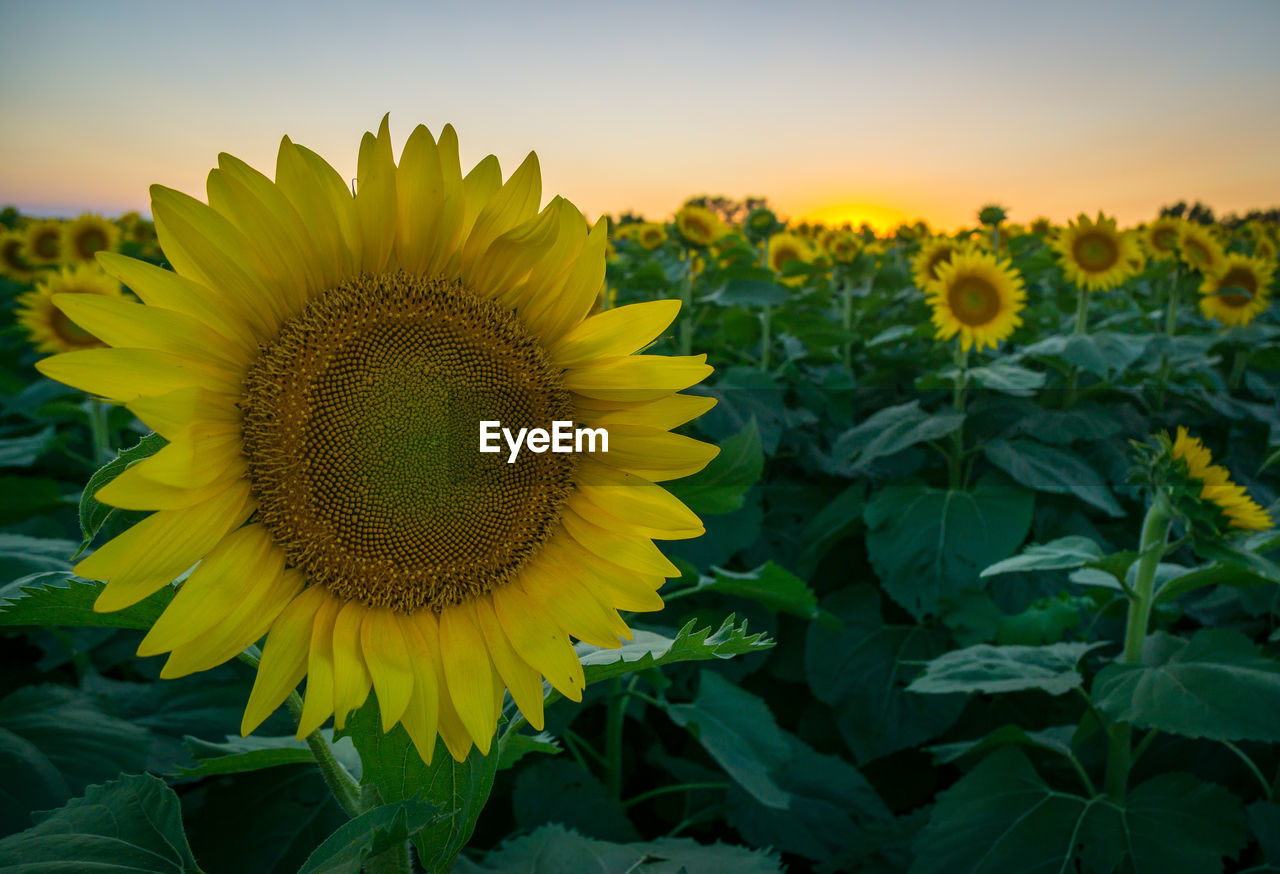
[(880, 218)]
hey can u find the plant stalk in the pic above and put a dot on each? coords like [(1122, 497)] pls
[(686, 310), (846, 320), (955, 463), (345, 790)]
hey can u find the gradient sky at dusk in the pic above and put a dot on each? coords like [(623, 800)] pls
[(842, 109)]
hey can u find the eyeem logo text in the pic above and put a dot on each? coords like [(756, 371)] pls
[(562, 438)]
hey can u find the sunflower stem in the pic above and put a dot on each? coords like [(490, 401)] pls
[(955, 463), (846, 319), (766, 336), (615, 718), (1082, 328), (1155, 536), (343, 786), (686, 309), (1239, 361), (1170, 328), (99, 430)]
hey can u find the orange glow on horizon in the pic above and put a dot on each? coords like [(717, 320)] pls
[(880, 218)]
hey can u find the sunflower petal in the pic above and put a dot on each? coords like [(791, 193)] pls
[(615, 333), (387, 655), (317, 191), (376, 199), (351, 680), (421, 716), (284, 658), (523, 680), (625, 550), (468, 672), (638, 377), (317, 704), (127, 374), (537, 639)]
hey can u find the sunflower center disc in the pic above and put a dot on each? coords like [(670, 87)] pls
[(940, 257), (1237, 279), (1096, 252), (974, 301), (361, 429)]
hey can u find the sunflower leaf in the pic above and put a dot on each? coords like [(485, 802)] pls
[(94, 514), (649, 650), (61, 600), (372, 832), (996, 669)]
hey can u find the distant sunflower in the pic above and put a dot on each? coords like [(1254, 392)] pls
[(84, 237), (1198, 249), (320, 363), (13, 264), (651, 235), (42, 243), (48, 328), (1096, 255), (699, 226), (1160, 238), (977, 297), (1264, 247), (842, 246), (932, 255), (1239, 291), (785, 248), (1232, 501), (1041, 226)]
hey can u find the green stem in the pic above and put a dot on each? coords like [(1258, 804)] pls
[(1082, 327), (666, 790), (615, 717), (686, 310), (766, 336), (344, 788), (1155, 534), (955, 463), (1239, 360), (1253, 768), (846, 320), (393, 860), (99, 432), (1170, 328)]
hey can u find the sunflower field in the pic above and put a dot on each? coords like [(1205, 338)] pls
[(911, 552)]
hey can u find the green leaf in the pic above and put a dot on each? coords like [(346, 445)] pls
[(20, 554), (749, 293), (861, 670), (1233, 555), (740, 733), (997, 669), (1051, 469), (516, 746), (560, 791), (1008, 378), (131, 824), (1171, 824), (1233, 575), (892, 430), (1001, 817), (1102, 354), (722, 486), (93, 514), (1065, 552), (553, 848), (928, 544), (1217, 685), (67, 601), (1056, 740), (22, 497), (23, 451), (648, 650), (244, 754), (392, 766), (372, 832), (828, 525), (775, 587)]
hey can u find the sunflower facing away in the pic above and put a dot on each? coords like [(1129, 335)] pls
[(1198, 249), (1232, 501), (42, 244), (1096, 256), (932, 255), (1239, 291), (13, 263), (84, 237), (699, 226), (1160, 238), (319, 363), (977, 297), (47, 326)]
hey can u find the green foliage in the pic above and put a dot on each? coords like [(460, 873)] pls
[(383, 829), (994, 669)]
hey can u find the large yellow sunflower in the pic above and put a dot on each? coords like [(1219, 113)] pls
[(932, 255), (1238, 291), (1232, 500), (699, 226), (321, 364), (977, 297), (1198, 249), (1096, 255), (13, 263), (48, 328), (42, 243), (85, 236), (1160, 238)]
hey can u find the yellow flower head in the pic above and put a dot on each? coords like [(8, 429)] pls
[(1264, 247), (932, 255), (785, 248), (42, 244), (39, 310), (13, 262), (1095, 254), (651, 235), (842, 246), (1231, 500), (320, 364), (699, 226), (977, 297), (1160, 238), (1238, 291), (87, 235), (1198, 248)]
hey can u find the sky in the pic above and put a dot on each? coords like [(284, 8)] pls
[(838, 111)]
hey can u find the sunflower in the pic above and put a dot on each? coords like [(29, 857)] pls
[(1160, 238), (1096, 256), (12, 262), (42, 244), (842, 246), (651, 235), (932, 255), (1238, 291), (977, 297), (699, 226), (87, 235), (48, 328), (1041, 226), (320, 363), (785, 248), (1265, 247), (1198, 248), (1232, 501)]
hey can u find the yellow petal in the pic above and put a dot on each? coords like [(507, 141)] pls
[(317, 704), (449, 228), (126, 374), (656, 455), (638, 377), (524, 682), (376, 199), (468, 673), (538, 640), (510, 258), (625, 589), (132, 491), (387, 656), (422, 715), (420, 194), (634, 499), (626, 550), (663, 414), (575, 607), (201, 456), (351, 680), (317, 192), (582, 287), (154, 552), (284, 657), (615, 333), (511, 206), (172, 413)]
